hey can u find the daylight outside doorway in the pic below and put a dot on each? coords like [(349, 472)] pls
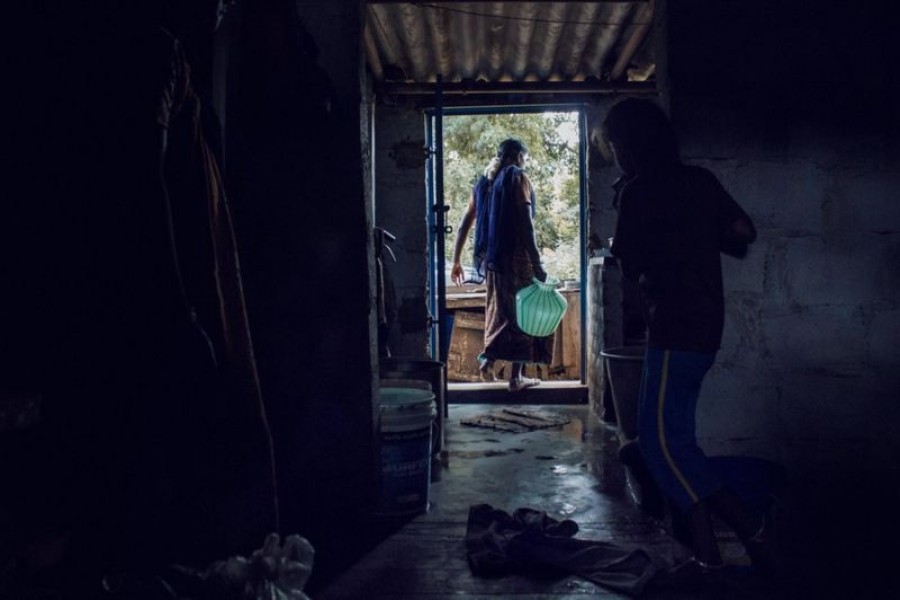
[(555, 168)]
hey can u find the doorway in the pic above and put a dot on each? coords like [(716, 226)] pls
[(555, 136)]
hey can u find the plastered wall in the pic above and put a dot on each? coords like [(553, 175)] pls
[(297, 177), (401, 208), (802, 133)]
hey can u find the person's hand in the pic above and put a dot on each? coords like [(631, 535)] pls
[(539, 273), (456, 274)]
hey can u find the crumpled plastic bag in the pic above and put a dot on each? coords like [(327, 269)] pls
[(273, 572)]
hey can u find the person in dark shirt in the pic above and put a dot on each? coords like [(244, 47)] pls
[(674, 222)]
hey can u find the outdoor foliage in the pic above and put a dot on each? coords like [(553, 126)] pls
[(469, 143)]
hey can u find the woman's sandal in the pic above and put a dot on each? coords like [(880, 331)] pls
[(764, 550), (486, 368), (524, 382), (689, 574)]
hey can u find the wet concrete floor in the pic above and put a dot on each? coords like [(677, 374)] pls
[(570, 472)]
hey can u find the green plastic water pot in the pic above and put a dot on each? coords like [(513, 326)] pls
[(540, 308)]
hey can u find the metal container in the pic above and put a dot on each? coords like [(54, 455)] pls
[(624, 366)]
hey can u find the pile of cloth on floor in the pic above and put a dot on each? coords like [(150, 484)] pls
[(529, 541)]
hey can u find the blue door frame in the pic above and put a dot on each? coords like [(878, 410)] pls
[(437, 210)]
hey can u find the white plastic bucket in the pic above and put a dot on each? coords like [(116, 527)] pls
[(395, 368), (406, 419)]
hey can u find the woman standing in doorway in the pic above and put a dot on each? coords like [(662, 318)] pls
[(511, 261)]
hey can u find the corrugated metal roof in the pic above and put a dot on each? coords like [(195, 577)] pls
[(499, 42)]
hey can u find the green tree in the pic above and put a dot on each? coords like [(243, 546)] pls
[(469, 143)]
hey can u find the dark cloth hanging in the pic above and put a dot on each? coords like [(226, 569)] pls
[(231, 407), (385, 292), (530, 542), (152, 446), (502, 234), (481, 192), (204, 233)]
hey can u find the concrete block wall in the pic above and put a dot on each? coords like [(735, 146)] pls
[(401, 208), (605, 328), (297, 183), (809, 356), (809, 371)]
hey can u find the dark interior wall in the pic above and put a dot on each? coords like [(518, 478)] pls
[(793, 105), (139, 436), (86, 255), (297, 165)]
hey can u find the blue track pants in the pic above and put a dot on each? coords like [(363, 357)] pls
[(670, 386)]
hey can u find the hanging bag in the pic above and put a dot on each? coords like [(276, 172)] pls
[(540, 308)]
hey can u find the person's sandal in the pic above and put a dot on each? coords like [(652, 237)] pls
[(764, 550), (692, 573), (524, 382), (486, 368)]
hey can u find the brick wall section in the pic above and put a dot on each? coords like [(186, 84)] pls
[(605, 328)]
